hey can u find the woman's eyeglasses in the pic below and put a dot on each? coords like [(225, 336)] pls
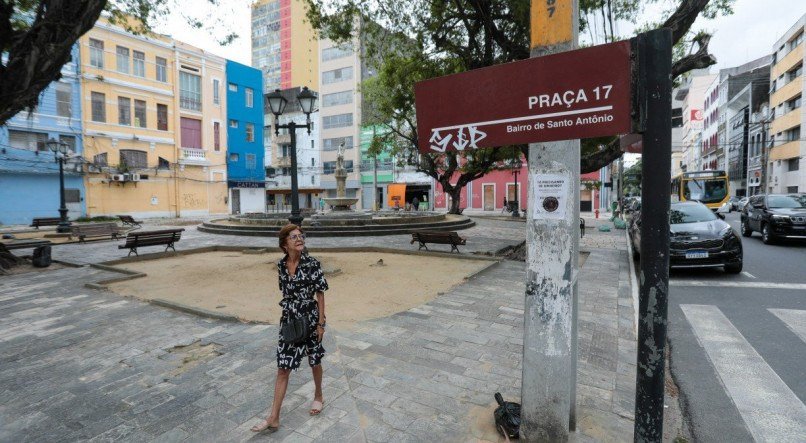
[(296, 237)]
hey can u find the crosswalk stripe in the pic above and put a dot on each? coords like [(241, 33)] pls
[(738, 284), (794, 319), (771, 411)]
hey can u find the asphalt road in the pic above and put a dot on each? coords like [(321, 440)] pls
[(738, 345)]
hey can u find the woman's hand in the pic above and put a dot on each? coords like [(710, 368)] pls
[(320, 332)]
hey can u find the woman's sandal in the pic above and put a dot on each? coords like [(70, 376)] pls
[(263, 426), (316, 410)]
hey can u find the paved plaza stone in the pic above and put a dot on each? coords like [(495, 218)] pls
[(82, 364)]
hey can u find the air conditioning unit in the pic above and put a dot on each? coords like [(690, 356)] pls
[(118, 178), (135, 177)]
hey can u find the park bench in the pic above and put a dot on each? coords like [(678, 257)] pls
[(165, 237), (96, 230), (128, 220), (45, 221), (436, 237), (25, 243)]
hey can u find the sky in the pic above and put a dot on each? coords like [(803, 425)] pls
[(737, 39)]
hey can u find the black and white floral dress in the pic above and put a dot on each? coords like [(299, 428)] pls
[(299, 298)]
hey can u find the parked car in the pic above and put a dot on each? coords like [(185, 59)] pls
[(775, 216), (742, 202), (733, 203), (699, 238)]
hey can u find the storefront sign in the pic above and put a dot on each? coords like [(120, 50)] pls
[(576, 94), (246, 184)]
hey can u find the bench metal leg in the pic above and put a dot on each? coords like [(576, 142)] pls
[(133, 250), (454, 248), (170, 245), (422, 245)]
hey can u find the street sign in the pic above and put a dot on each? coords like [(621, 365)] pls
[(570, 95)]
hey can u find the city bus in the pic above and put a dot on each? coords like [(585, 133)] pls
[(707, 187)]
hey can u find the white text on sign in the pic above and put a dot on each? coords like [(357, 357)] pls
[(569, 98)]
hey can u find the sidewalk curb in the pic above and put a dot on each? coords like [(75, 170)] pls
[(633, 279)]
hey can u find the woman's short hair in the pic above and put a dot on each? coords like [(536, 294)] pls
[(285, 232)]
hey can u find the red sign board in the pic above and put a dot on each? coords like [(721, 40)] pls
[(576, 94)]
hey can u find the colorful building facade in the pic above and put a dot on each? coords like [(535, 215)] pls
[(153, 113), (246, 176), (29, 175), (284, 45)]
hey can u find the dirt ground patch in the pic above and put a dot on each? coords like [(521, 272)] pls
[(245, 285)]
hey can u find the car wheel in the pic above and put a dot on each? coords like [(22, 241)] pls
[(733, 268), (746, 231), (766, 235)]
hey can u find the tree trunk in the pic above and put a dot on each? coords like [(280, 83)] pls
[(456, 199)]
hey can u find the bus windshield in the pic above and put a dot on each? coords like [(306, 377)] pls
[(709, 190)]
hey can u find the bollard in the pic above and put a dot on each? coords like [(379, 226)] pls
[(596, 212)]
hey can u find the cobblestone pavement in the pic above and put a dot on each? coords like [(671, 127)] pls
[(80, 364)]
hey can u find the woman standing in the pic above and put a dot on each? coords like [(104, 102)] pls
[(303, 286)]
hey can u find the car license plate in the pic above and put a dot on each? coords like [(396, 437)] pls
[(697, 254)]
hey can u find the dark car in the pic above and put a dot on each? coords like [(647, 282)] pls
[(699, 238), (775, 216)]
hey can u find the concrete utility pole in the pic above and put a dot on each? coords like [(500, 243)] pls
[(375, 182), (549, 354)]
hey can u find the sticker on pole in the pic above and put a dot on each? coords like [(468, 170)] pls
[(550, 194)]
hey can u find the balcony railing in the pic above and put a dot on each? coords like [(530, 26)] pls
[(193, 156), (190, 103)]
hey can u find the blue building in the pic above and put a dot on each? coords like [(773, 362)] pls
[(245, 169), (29, 174)]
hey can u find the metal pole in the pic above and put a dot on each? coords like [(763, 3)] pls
[(295, 218), (552, 259), (654, 51), (64, 225), (621, 186), (375, 182)]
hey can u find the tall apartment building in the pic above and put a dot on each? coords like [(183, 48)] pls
[(340, 112), (29, 176), (284, 46), (692, 94), (153, 110), (787, 83)]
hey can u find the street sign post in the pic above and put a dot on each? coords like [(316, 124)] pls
[(582, 93)]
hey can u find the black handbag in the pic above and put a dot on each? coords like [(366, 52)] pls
[(295, 330)]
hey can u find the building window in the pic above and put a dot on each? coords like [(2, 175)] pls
[(162, 117), (249, 94), (337, 98), (72, 196), (312, 162), (191, 133), (250, 132), (30, 141), (233, 158), (190, 91), (64, 99), (233, 123), (96, 53), (163, 163), (140, 113), (793, 74), (337, 75), (251, 161), (133, 159), (162, 69), (124, 111), (791, 189), (139, 63), (233, 87), (793, 164), (216, 92), (337, 121), (100, 159), (796, 41), (123, 59), (217, 136), (793, 134), (336, 52), (69, 140), (332, 144), (313, 180), (330, 167), (98, 107), (793, 104), (313, 146)]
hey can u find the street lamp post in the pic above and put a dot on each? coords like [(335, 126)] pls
[(277, 103), (60, 147), (516, 167)]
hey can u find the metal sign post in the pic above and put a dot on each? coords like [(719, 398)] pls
[(654, 94)]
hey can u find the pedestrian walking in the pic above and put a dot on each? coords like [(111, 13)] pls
[(415, 203), (303, 286)]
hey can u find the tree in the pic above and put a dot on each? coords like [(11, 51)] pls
[(449, 36), (38, 37)]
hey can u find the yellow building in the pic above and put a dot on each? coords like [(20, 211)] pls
[(284, 45), (132, 127), (787, 84)]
